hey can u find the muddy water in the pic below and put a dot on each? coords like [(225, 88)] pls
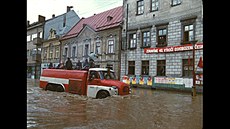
[(143, 109)]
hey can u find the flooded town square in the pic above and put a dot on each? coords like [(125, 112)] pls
[(142, 109)]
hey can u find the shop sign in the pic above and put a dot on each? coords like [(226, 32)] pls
[(168, 80), (173, 48)]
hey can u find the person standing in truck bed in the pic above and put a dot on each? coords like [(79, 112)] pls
[(69, 65)]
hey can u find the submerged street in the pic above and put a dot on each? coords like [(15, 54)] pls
[(143, 109)]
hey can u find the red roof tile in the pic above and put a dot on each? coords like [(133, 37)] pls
[(98, 22)]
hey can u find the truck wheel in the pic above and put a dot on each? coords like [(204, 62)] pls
[(102, 94), (59, 88), (50, 87)]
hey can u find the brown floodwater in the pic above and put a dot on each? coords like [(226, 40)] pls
[(143, 109)]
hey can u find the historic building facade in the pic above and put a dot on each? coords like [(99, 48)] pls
[(158, 38), (34, 40), (54, 29), (99, 34)]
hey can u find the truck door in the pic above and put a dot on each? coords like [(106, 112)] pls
[(93, 82)]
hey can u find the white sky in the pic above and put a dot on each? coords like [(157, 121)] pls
[(83, 8)]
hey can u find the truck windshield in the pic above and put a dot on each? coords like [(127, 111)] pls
[(107, 75)]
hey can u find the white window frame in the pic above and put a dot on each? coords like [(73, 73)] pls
[(28, 38), (84, 54), (57, 51), (74, 54), (34, 36), (98, 48), (156, 5), (65, 52), (132, 41), (111, 46)]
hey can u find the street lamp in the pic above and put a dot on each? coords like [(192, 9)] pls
[(193, 73)]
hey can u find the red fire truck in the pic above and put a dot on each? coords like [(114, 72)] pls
[(94, 82)]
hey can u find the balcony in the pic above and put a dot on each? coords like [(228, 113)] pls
[(36, 57), (37, 41)]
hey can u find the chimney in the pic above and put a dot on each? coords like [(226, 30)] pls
[(84, 25), (69, 8), (41, 18), (53, 16)]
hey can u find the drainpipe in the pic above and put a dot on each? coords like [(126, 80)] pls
[(126, 35), (119, 51)]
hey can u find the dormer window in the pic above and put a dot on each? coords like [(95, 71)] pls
[(109, 18), (52, 34)]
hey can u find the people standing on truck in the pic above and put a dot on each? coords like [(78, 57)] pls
[(91, 63), (50, 65), (68, 64), (86, 64), (78, 65), (60, 66)]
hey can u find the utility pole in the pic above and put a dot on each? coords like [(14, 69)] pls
[(193, 73)]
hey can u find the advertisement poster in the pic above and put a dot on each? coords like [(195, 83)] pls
[(141, 82), (133, 80), (149, 81)]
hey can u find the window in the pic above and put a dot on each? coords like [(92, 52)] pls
[(154, 5), (45, 53), (131, 68), (188, 31), (161, 37), (175, 2), (146, 39), (140, 7), (39, 50), (51, 52), (34, 36), (34, 51), (86, 50), (57, 52), (98, 48), (160, 67), (28, 38), (187, 67), (145, 67), (111, 46), (66, 51), (73, 51), (40, 34), (132, 40)]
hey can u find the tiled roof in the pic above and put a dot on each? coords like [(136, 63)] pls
[(98, 22), (56, 23)]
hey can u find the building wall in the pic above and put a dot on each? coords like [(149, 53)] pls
[(33, 67), (105, 58), (46, 59), (85, 37), (165, 14), (54, 29), (90, 37)]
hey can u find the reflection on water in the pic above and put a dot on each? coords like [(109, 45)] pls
[(143, 109)]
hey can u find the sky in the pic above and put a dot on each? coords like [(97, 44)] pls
[(83, 8)]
